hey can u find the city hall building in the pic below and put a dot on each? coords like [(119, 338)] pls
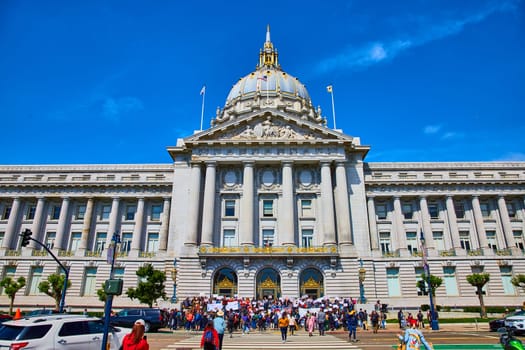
[(268, 201)]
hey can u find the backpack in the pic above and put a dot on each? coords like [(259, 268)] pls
[(208, 336)]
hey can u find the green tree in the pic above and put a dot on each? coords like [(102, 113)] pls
[(102, 293), (11, 287), (53, 287), (479, 280), (151, 285), (518, 281), (435, 283)]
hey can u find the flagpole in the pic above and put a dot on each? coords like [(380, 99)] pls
[(203, 93), (333, 106)]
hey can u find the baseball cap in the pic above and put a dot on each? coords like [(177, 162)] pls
[(141, 322)]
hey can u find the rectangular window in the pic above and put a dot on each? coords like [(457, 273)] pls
[(2, 235), (506, 277), (412, 242), (381, 211), (511, 209), (90, 281), (229, 208), (156, 211), (153, 242), (35, 279), (50, 239), (392, 277), (439, 243), (307, 236), (125, 242), (491, 240), (81, 212), (268, 237), (421, 291), (75, 241), (31, 212), (6, 213), (9, 271), (464, 240), (485, 209), (407, 211), (118, 273), (229, 239), (100, 241), (306, 208), (451, 283), (130, 212), (105, 211), (433, 210), (459, 208), (518, 239), (55, 212), (267, 208), (384, 241)]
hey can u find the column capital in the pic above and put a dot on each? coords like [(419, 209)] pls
[(210, 163), (449, 196), (287, 162), (340, 162), (423, 196), (248, 163), (325, 163)]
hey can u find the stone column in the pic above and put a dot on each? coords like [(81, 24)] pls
[(399, 227), (113, 220), (480, 226), (86, 226), (37, 222), (247, 205), (373, 224), (163, 239), (286, 211), (427, 228), (342, 207), (507, 226), (12, 225), (327, 200), (208, 209), (453, 227), (194, 205), (136, 240), (62, 225)]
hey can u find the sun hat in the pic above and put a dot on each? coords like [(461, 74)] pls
[(141, 322), (220, 313), (352, 312)]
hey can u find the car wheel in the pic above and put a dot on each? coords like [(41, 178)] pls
[(147, 327)]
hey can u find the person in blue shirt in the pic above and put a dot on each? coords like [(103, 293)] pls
[(219, 325), (351, 324), (413, 339)]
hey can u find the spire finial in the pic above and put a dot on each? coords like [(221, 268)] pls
[(268, 33), (268, 55)]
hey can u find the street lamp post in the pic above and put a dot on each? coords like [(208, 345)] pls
[(362, 275), (434, 324)]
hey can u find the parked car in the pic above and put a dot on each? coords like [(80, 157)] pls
[(58, 332), (5, 317), (154, 318), (516, 322), (496, 324), (40, 312)]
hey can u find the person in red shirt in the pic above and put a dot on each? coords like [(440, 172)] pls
[(210, 337), (136, 339)]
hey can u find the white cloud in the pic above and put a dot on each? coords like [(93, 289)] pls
[(114, 108), (378, 51), (431, 129), (513, 157), (452, 135)]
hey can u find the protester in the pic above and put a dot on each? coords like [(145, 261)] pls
[(210, 338), (413, 339), (374, 318), (284, 322), (351, 324), (136, 339), (311, 321), (219, 325)]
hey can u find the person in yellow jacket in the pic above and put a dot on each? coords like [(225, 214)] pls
[(283, 323)]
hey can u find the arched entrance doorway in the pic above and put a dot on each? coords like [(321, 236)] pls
[(311, 283), (225, 282), (268, 283)]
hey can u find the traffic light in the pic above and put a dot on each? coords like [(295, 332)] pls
[(26, 237)]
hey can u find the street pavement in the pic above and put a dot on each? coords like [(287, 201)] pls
[(449, 336)]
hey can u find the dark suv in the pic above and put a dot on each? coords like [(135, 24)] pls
[(154, 318)]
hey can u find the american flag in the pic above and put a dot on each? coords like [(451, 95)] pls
[(263, 78)]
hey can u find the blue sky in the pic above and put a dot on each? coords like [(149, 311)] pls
[(119, 81)]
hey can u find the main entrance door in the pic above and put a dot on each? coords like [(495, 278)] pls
[(225, 282), (268, 283), (311, 283)]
